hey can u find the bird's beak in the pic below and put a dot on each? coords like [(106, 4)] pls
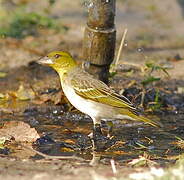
[(45, 60)]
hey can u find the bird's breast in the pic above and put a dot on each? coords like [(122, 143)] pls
[(92, 108), (83, 105)]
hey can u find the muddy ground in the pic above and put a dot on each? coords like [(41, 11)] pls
[(32, 94)]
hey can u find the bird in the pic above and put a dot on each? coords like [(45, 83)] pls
[(89, 95)]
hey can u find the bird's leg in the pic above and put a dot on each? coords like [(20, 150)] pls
[(97, 127), (97, 136), (99, 141), (97, 133)]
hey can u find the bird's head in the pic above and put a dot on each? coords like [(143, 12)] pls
[(58, 60)]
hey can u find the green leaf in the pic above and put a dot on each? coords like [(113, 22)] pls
[(112, 74), (155, 67), (149, 80)]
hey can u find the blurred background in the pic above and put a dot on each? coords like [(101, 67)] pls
[(31, 93), (31, 28)]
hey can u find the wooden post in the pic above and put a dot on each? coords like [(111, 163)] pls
[(100, 37)]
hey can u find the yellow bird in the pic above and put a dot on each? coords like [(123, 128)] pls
[(89, 95)]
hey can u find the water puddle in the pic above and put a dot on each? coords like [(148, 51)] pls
[(66, 134)]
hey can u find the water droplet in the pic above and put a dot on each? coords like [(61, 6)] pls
[(59, 117), (151, 147), (140, 49), (140, 129), (121, 66), (125, 43), (54, 111), (86, 65), (86, 116), (88, 4)]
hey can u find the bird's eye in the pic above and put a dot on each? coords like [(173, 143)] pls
[(57, 56)]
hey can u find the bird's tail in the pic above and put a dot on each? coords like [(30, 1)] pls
[(135, 116), (148, 121)]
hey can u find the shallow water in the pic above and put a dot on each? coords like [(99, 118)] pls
[(66, 133)]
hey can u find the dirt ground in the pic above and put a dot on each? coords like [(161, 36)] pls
[(155, 33)]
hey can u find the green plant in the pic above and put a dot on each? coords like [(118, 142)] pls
[(22, 24), (149, 79)]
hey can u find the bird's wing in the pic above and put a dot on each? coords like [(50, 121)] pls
[(95, 90), (89, 88)]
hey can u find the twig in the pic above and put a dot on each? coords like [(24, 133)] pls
[(113, 166), (115, 63), (142, 97), (120, 48)]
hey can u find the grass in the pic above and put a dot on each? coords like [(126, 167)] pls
[(20, 24)]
